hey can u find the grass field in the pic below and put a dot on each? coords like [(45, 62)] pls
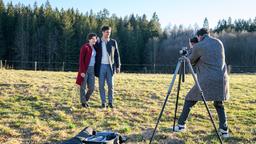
[(43, 107)]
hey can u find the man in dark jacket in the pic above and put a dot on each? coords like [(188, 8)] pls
[(208, 56), (107, 63)]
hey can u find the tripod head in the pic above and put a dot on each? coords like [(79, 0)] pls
[(184, 52)]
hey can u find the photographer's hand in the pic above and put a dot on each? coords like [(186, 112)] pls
[(190, 44)]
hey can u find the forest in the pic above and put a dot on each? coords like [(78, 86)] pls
[(51, 38)]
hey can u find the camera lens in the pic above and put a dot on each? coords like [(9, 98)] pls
[(183, 52)]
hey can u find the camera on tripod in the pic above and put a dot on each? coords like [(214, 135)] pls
[(184, 51)]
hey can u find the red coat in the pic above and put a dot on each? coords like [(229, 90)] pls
[(84, 61)]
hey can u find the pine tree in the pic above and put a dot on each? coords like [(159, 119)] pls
[(154, 26), (3, 49), (154, 32), (206, 23), (67, 33), (21, 41)]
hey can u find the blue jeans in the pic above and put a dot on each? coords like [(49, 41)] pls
[(219, 106), (106, 74), (89, 80)]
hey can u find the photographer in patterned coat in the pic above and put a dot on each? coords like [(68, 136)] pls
[(208, 56)]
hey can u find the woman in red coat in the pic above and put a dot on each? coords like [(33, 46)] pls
[(86, 69)]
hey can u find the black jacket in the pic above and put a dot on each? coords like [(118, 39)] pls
[(113, 53)]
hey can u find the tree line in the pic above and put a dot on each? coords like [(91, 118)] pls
[(50, 35)]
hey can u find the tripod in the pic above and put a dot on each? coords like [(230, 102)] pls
[(182, 60)]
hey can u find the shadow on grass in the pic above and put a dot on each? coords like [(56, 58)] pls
[(18, 85), (232, 139), (159, 138)]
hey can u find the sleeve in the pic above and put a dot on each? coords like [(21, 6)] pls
[(196, 53), (117, 56), (82, 60)]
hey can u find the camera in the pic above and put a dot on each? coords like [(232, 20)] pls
[(185, 51)]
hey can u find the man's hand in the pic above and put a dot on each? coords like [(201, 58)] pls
[(83, 75), (117, 70), (190, 44)]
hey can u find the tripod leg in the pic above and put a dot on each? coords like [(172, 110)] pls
[(202, 95), (166, 98), (177, 98), (184, 70)]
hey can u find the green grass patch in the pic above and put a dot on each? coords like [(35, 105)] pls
[(44, 107)]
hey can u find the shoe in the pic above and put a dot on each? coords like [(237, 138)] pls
[(103, 105), (224, 133), (179, 128), (110, 105), (86, 105)]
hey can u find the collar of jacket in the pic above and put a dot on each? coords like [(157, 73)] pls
[(205, 36), (87, 44), (102, 39)]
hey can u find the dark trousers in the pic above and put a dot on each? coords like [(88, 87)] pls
[(219, 106)]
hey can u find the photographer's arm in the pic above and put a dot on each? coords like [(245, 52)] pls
[(195, 54), (190, 44)]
